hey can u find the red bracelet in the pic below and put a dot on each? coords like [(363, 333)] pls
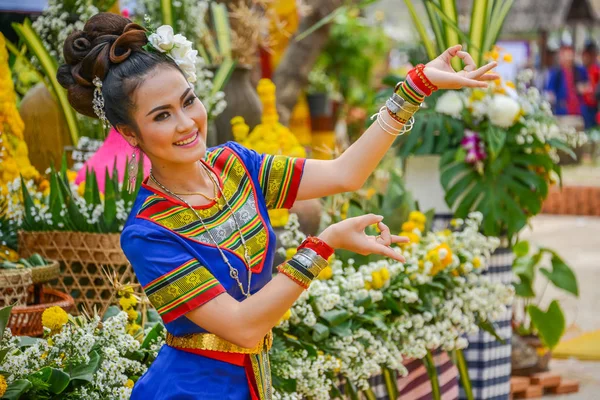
[(318, 246), (421, 81)]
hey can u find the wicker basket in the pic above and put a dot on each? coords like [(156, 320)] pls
[(82, 256), (13, 286), (45, 273), (27, 320)]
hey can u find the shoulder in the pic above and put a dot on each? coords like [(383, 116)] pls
[(221, 155)]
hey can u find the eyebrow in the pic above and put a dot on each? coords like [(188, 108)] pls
[(166, 106)]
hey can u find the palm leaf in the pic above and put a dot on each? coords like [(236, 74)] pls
[(436, 26), (451, 26), (429, 46), (477, 30), (497, 18), (166, 11), (222, 28)]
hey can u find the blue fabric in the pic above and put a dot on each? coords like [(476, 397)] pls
[(178, 375), (558, 86), (155, 252)]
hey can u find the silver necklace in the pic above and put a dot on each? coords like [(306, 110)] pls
[(233, 272)]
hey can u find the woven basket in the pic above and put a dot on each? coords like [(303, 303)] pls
[(82, 256), (27, 320), (45, 273), (13, 286)]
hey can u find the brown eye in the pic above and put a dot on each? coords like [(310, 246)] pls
[(190, 100), (162, 116)]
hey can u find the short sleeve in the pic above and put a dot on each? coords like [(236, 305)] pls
[(280, 178), (173, 279)]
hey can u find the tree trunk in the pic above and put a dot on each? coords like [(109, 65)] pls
[(291, 75)]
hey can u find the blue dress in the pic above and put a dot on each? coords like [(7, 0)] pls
[(180, 269)]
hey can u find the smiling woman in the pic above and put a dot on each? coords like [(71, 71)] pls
[(199, 236)]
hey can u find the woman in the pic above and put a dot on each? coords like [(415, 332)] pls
[(199, 237)]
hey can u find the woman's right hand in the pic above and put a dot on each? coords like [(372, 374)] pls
[(350, 235)]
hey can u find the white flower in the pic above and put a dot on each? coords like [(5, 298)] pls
[(450, 103), (503, 111), (187, 63), (164, 39), (181, 46)]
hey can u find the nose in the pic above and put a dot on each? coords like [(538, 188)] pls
[(185, 124)]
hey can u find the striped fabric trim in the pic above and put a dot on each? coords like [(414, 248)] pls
[(279, 179), (183, 289), (409, 94), (241, 194)]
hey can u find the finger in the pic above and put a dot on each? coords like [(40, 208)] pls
[(489, 77), (389, 252), (466, 82), (480, 71), (469, 63), (385, 235), (400, 239), (368, 219), (451, 52)]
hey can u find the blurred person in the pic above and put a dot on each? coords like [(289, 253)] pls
[(589, 57), (567, 84)]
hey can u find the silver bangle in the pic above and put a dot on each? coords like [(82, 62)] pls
[(381, 122)]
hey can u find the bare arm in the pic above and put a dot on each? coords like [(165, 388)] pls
[(245, 323), (350, 171)]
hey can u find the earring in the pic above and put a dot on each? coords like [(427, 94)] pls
[(132, 172)]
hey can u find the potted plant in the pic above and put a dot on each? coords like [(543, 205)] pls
[(538, 328)]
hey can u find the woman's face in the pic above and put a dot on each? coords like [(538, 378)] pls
[(171, 120)]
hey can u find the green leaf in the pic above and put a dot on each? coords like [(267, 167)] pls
[(57, 379), (343, 329), (4, 316), (223, 31), (477, 31), (463, 371), (110, 202), (549, 324), (320, 332), (389, 378), (416, 19), (222, 75), (335, 317), (436, 27), (85, 372), (433, 376), (495, 138), (152, 336), (27, 341), (50, 68), (111, 311), (563, 147), (322, 22), (562, 276), (489, 328), (496, 22), (525, 267), (166, 12), (16, 389)]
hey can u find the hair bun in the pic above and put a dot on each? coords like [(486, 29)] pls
[(132, 38)]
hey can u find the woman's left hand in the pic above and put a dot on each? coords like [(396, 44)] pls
[(440, 72)]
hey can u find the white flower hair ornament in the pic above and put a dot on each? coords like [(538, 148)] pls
[(175, 46)]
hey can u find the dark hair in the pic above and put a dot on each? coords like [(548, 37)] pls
[(109, 47)]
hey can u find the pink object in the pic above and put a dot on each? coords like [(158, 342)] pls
[(125, 12), (114, 147)]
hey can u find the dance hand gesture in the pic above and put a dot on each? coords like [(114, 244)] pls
[(350, 235), (440, 72)]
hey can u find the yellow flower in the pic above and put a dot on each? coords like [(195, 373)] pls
[(408, 226), (129, 384), (495, 55), (3, 385), (412, 237), (287, 315), (417, 217), (370, 193), (476, 262), (507, 57), (377, 281), (440, 257), (326, 273), (54, 318), (71, 175), (132, 315), (289, 253), (510, 84), (344, 210), (132, 329), (446, 232), (385, 274), (127, 302), (81, 189), (279, 217)]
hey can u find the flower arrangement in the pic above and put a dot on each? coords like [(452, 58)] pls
[(78, 357), (14, 159), (359, 320), (268, 137), (62, 205), (498, 150)]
